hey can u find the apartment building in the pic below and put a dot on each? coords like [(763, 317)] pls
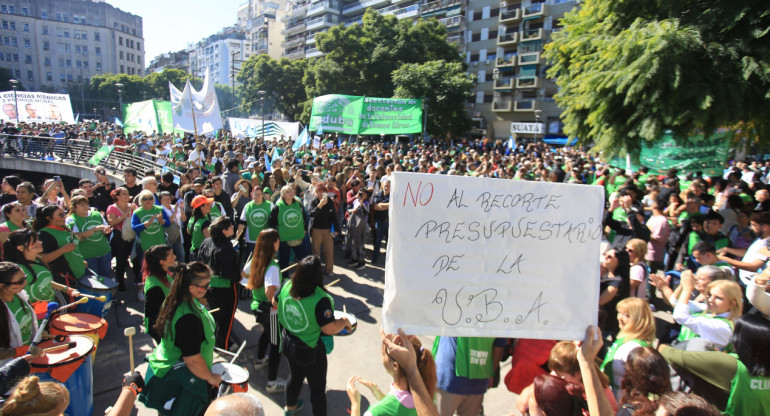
[(261, 21), (217, 53), (177, 60), (57, 45)]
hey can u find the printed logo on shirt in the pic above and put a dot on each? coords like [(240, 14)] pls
[(328, 314), (92, 223), (258, 218), (294, 315), (152, 229), (291, 218)]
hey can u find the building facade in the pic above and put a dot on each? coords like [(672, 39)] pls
[(261, 22), (57, 45), (176, 60), (218, 53)]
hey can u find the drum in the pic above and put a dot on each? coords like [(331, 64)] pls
[(233, 376), (76, 323), (97, 286), (351, 318), (72, 367)]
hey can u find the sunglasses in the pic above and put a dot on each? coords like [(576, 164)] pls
[(18, 282), (204, 287), (148, 198)]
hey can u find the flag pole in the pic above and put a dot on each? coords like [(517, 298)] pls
[(192, 108)]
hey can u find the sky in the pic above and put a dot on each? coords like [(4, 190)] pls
[(169, 25)]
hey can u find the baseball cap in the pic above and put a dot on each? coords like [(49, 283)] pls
[(200, 200), (199, 181)]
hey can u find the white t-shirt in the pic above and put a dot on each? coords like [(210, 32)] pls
[(639, 274), (272, 275), (752, 254), (196, 157)]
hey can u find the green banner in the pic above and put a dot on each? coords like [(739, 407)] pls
[(695, 154), (351, 114), (100, 154), (148, 116)]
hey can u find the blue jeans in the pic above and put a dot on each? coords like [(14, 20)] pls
[(380, 230), (102, 266), (178, 251), (300, 252)]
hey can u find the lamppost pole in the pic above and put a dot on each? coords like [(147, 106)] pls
[(261, 94), (120, 98), (15, 86), (424, 117), (537, 120)]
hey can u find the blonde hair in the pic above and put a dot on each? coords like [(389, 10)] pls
[(732, 292), (75, 201), (563, 359), (639, 246), (33, 398), (142, 194), (641, 323)]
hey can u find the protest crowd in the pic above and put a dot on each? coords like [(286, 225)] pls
[(682, 310)]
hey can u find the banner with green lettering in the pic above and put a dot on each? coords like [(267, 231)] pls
[(351, 114), (695, 154)]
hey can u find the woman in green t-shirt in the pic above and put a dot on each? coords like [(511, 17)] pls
[(17, 318), (15, 215), (158, 260), (91, 229)]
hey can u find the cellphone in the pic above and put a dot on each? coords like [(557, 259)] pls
[(243, 188), (331, 195), (57, 178)]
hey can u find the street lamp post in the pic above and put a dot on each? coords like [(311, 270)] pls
[(537, 121), (120, 86), (261, 94), (15, 86), (424, 117)]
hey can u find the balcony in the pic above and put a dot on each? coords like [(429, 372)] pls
[(300, 11), (321, 7), (355, 19), (529, 58), (398, 1), (435, 6), (401, 12), (527, 82), (507, 38), (532, 34), (501, 106), (504, 83), (458, 40), (296, 54), (310, 39), (506, 60), (534, 11), (322, 21), (453, 22), (290, 43), (360, 6), (293, 29), (510, 15), (525, 105), (312, 53)]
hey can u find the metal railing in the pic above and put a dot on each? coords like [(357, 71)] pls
[(76, 152)]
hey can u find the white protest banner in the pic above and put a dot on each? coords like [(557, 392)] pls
[(482, 257), (247, 127), (36, 107)]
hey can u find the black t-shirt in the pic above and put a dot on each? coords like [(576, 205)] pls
[(381, 198), (59, 266), (172, 188), (102, 199), (189, 335), (133, 190), (6, 199)]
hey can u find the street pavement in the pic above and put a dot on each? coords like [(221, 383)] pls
[(359, 291)]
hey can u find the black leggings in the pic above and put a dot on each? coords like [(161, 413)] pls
[(315, 374), (224, 298), (274, 360), (121, 250)]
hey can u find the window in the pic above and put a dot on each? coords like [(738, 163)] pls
[(48, 76), (120, 42), (69, 63), (44, 15), (5, 24), (121, 69), (477, 15), (75, 19), (58, 17), (61, 62), (65, 17), (47, 61), (18, 73), (45, 29), (120, 56), (59, 32), (28, 59), (488, 98), (139, 46), (475, 37), (84, 49), (66, 33), (98, 51), (30, 76), (25, 11), (14, 41), (6, 41), (85, 64), (97, 36), (11, 10), (27, 43), (78, 64), (4, 8), (25, 27), (84, 36), (16, 59), (13, 25), (98, 67), (69, 77)]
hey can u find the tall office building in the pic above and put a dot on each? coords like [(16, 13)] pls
[(261, 21), (217, 53), (56, 45)]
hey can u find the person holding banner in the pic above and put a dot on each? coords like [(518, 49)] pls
[(264, 279)]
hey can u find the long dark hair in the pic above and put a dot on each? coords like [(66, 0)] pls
[(217, 230), (623, 270), (43, 216), (751, 337), (152, 266), (185, 275), (7, 271), (264, 251), (307, 277), (556, 396), (12, 253), (647, 375)]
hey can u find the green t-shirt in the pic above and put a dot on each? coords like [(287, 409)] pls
[(195, 228), (291, 223), (390, 406), (41, 290), (74, 258), (95, 245), (154, 234), (748, 395), (24, 317), (167, 354), (256, 218), (298, 315)]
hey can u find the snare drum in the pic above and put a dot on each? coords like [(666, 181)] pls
[(351, 318), (233, 376), (76, 323), (73, 367), (97, 286)]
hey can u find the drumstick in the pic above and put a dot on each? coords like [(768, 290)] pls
[(214, 310), (345, 309), (101, 298), (60, 346), (77, 302), (52, 309), (333, 283), (130, 332)]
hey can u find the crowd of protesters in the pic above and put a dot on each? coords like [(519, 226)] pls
[(682, 281)]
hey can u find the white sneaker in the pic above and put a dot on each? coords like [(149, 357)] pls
[(260, 364), (276, 386)]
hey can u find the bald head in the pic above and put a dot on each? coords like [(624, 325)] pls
[(236, 404), (762, 195)]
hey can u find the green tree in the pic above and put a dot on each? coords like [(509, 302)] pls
[(229, 100), (281, 80), (103, 87), (627, 71), (157, 82), (447, 87), (360, 59)]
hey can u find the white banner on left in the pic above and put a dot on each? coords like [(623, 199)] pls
[(36, 107)]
